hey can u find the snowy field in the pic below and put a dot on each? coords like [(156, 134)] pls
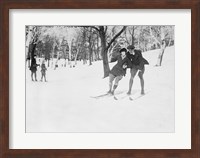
[(65, 103)]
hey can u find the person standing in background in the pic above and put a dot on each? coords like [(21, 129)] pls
[(43, 71), (33, 68)]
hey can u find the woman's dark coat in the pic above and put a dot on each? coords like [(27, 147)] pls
[(118, 69), (137, 60)]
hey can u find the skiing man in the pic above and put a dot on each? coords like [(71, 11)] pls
[(33, 68), (43, 71), (118, 71), (137, 65)]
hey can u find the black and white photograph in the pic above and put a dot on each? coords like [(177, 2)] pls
[(100, 79)]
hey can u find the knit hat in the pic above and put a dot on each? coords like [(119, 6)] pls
[(123, 50), (130, 47)]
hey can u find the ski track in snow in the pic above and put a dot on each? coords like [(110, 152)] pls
[(64, 103)]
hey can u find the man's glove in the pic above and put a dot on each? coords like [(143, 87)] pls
[(124, 66)]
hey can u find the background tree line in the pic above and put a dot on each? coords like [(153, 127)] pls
[(92, 43)]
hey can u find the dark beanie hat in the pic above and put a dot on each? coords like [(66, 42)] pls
[(130, 47), (123, 50)]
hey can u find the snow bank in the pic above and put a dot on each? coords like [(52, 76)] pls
[(65, 103)]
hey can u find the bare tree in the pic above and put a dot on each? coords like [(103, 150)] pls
[(102, 30), (29, 36), (32, 36), (165, 32)]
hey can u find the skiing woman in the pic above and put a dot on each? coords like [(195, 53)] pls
[(118, 71)]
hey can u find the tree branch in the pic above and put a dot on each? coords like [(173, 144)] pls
[(94, 28), (106, 27), (117, 35)]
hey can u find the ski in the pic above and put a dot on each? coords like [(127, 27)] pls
[(100, 96), (115, 98), (130, 98), (127, 95), (135, 98), (106, 95)]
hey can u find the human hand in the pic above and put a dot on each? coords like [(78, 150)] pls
[(124, 66)]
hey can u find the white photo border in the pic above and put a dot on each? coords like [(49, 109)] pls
[(181, 139)]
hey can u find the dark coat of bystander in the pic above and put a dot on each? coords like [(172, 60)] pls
[(33, 67)]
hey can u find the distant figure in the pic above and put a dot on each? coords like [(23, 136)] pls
[(33, 68), (43, 71), (56, 64), (118, 71), (160, 57), (137, 65), (28, 60)]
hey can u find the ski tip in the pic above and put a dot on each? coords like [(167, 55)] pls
[(130, 98)]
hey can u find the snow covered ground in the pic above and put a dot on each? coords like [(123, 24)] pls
[(65, 103)]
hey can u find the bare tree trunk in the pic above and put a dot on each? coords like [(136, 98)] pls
[(90, 55), (139, 42), (90, 46), (163, 46), (28, 41), (158, 43), (105, 63), (160, 56), (75, 60), (132, 35), (52, 55), (169, 41), (110, 51), (48, 62), (104, 52), (98, 50), (70, 53), (105, 47)]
